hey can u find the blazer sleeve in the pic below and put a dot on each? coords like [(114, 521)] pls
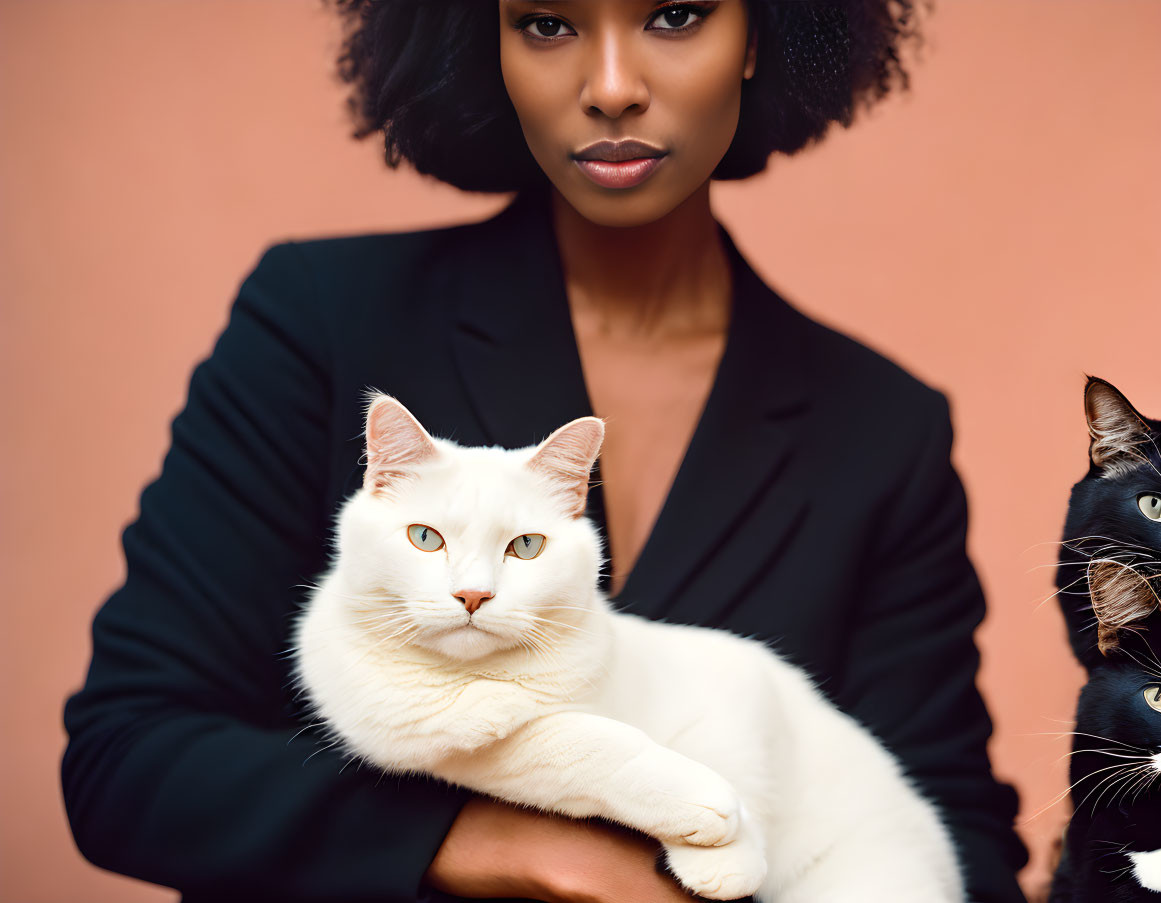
[(913, 661), (185, 763)]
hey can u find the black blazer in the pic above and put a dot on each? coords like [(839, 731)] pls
[(815, 508)]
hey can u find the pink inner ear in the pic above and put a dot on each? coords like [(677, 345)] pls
[(396, 443), (566, 458)]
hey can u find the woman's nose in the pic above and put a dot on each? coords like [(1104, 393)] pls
[(613, 82)]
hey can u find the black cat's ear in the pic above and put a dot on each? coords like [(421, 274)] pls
[(566, 457), (1115, 428), (396, 443), (1121, 599)]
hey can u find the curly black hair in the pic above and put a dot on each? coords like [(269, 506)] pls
[(427, 74)]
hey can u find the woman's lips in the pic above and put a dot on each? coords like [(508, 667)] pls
[(624, 174)]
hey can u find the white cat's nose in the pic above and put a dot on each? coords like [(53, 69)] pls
[(473, 598)]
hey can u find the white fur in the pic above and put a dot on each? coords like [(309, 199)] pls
[(1147, 869), (709, 742)]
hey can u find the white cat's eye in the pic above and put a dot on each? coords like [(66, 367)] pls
[(1153, 697), (424, 538), (526, 547), (1150, 506)]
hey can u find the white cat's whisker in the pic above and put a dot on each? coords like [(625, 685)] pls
[(573, 627)]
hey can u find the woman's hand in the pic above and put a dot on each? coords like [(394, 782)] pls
[(497, 850)]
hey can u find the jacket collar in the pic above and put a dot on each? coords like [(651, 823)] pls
[(517, 356)]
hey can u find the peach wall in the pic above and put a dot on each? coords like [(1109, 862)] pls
[(997, 231)]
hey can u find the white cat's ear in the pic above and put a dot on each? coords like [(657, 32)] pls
[(1115, 427), (396, 443), (566, 458)]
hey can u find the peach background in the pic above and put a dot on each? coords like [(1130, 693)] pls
[(997, 231)]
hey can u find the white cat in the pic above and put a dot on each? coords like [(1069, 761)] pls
[(460, 633)]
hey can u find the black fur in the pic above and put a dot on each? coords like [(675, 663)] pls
[(1116, 782)]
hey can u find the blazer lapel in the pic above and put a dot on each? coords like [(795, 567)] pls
[(512, 339), (699, 558), (517, 356)]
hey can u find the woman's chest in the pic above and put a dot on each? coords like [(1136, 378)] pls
[(651, 395)]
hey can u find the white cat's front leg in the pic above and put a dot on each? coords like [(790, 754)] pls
[(482, 712), (583, 765)]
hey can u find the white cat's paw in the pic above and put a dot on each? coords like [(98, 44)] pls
[(700, 806), (728, 872), (712, 817)]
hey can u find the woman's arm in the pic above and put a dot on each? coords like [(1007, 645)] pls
[(185, 764), (912, 660), (497, 850)]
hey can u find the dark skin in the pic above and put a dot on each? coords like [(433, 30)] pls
[(648, 285)]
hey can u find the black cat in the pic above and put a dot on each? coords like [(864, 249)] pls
[(1109, 577)]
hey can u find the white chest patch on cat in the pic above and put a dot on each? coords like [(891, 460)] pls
[(1147, 869)]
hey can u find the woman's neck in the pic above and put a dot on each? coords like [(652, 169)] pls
[(669, 277)]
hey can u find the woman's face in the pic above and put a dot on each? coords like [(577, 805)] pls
[(666, 74)]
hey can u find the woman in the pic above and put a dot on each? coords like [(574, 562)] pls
[(760, 473)]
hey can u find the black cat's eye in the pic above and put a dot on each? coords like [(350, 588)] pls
[(1150, 505), (1153, 697)]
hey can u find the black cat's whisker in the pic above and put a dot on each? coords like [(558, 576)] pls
[(1119, 772), (1146, 665), (1120, 848), (1138, 774), (1117, 768), (1065, 792), (1121, 782), (1140, 749), (1115, 753), (1113, 543), (1118, 874), (1147, 780), (1063, 591), (1133, 453)]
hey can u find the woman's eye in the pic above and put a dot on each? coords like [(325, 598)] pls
[(1150, 506), (424, 538), (526, 547), (1153, 697), (546, 27), (677, 18), (672, 18)]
